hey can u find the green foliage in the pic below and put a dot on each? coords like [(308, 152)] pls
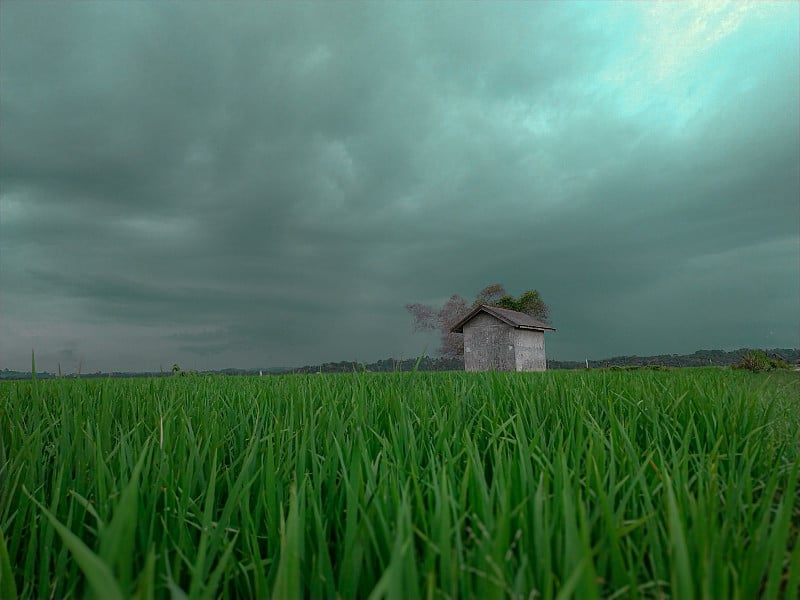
[(700, 358), (759, 362), (778, 363), (756, 362), (178, 372), (639, 367), (97, 572), (8, 589), (589, 484), (530, 303)]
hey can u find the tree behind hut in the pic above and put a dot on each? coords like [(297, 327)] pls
[(430, 318)]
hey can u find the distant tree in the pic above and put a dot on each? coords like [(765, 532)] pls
[(491, 295), (430, 318), (758, 361), (530, 303)]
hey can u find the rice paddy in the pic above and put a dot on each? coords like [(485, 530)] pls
[(596, 484)]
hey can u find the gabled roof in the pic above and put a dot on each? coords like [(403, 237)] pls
[(516, 319)]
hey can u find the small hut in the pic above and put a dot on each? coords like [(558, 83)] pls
[(502, 340)]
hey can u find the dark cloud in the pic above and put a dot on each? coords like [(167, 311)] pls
[(269, 184)]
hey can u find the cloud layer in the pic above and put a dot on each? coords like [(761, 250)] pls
[(268, 184)]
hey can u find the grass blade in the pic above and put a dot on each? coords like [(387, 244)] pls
[(98, 574), (8, 588), (287, 582)]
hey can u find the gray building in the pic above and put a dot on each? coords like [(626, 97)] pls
[(502, 340)]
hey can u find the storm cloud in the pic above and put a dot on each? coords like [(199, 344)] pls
[(267, 184)]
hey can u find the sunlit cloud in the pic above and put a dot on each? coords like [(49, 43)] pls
[(676, 35)]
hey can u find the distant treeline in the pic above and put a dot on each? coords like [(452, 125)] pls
[(425, 363), (701, 358)]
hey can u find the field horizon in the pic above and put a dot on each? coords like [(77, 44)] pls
[(699, 358)]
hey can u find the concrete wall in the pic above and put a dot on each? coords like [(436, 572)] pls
[(529, 350), (491, 344), (488, 344)]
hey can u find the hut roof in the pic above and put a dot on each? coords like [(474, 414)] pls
[(514, 318)]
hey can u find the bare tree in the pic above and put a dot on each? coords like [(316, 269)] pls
[(491, 295), (430, 318)]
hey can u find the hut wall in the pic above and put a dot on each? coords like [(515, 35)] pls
[(529, 350), (489, 344)]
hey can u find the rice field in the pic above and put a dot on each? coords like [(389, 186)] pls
[(594, 484)]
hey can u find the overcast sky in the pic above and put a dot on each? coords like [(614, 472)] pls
[(266, 184)]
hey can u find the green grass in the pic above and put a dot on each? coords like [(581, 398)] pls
[(679, 484)]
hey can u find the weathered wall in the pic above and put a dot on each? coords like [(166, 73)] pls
[(491, 344), (488, 344), (529, 350)]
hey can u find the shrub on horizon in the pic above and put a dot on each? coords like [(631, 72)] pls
[(758, 361)]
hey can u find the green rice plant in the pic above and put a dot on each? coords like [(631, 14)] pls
[(585, 484), (8, 588)]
